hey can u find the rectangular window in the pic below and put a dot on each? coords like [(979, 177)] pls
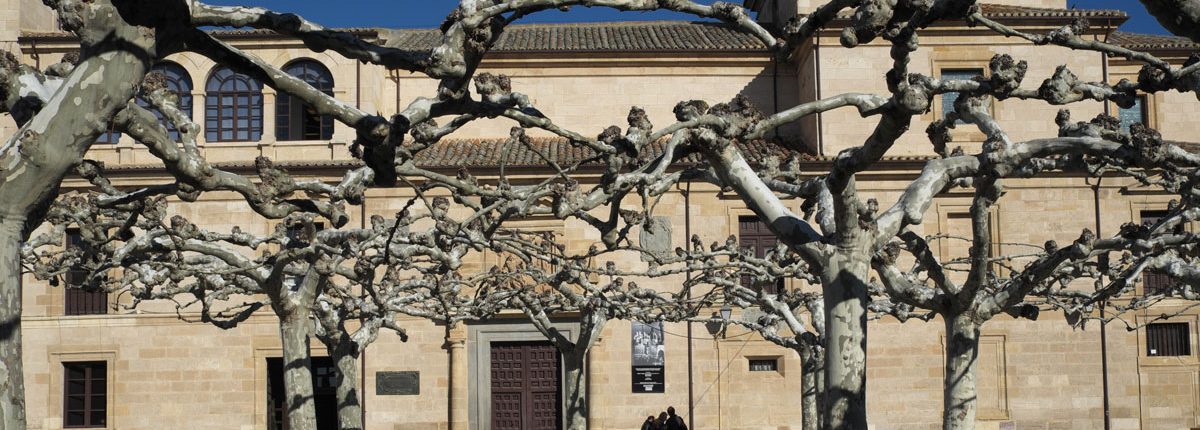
[(1168, 340), (758, 238), (1154, 282), (81, 299), (85, 394), (1136, 114), (764, 365), (948, 99)]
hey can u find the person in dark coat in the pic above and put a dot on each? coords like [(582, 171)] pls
[(650, 424), (674, 422), (662, 421)]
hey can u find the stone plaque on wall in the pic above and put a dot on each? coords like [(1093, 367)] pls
[(655, 238), (397, 383)]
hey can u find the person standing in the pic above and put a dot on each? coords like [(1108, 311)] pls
[(651, 424), (674, 422)]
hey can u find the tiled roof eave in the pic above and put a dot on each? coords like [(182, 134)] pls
[(761, 51), (1152, 42), (224, 34)]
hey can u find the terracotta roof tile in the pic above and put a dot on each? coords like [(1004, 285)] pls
[(488, 154), (492, 153), (496, 152), (646, 36), (224, 33), (1009, 11), (1151, 41)]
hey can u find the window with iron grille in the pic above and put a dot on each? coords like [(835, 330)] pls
[(1155, 282), (296, 120), (754, 235), (85, 394), (948, 99), (1136, 114), (233, 107), (764, 365), (1168, 339), (80, 298)]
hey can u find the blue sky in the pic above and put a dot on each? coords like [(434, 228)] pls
[(429, 13)]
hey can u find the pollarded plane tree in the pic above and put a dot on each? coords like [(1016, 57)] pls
[(341, 286), (791, 317), (740, 279)]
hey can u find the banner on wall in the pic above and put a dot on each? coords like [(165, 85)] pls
[(649, 358)]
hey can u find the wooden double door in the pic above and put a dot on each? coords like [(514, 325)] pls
[(526, 386)]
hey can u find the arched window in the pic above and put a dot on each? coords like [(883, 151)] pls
[(233, 107), (109, 136), (296, 120), (178, 82)]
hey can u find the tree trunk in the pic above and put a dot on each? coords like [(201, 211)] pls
[(575, 390), (44, 149), (845, 289), (12, 376), (349, 408), (809, 403), (821, 390), (962, 354), (297, 375)]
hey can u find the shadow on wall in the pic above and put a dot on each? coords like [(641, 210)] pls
[(772, 92)]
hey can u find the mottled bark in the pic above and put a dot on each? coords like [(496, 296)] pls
[(962, 354), (845, 291), (293, 304), (35, 159), (348, 389), (811, 372), (12, 379), (297, 375), (575, 390)]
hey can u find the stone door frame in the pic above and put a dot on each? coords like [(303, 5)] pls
[(479, 362)]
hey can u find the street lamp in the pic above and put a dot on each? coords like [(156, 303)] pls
[(726, 312), (717, 323)]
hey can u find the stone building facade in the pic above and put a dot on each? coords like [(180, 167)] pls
[(163, 372)]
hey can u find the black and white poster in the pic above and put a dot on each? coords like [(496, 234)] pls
[(649, 358)]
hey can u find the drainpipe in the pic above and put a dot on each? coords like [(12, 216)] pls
[(1103, 261), (687, 231), (820, 115), (362, 221)]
